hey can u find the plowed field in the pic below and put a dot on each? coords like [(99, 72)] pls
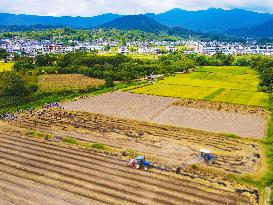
[(33, 172)]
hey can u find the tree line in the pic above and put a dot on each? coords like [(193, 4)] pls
[(23, 79)]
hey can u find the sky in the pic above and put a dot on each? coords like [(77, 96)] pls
[(96, 7)]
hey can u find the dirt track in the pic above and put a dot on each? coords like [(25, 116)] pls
[(238, 120), (32, 172)]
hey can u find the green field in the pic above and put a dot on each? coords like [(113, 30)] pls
[(5, 66), (222, 84)]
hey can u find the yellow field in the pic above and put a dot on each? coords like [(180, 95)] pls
[(59, 82), (222, 84), (5, 66)]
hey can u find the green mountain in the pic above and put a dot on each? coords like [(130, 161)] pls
[(135, 22), (264, 30), (144, 23), (64, 21), (211, 20)]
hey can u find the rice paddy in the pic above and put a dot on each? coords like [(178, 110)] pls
[(231, 84), (5, 66)]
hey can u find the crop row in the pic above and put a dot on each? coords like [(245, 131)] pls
[(206, 93), (237, 153), (91, 178)]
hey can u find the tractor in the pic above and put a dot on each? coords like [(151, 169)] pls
[(138, 163), (207, 156)]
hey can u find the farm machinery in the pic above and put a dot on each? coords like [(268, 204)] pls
[(206, 155), (138, 163)]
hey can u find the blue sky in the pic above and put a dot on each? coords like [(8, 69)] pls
[(95, 7)]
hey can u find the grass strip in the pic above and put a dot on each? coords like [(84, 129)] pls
[(214, 94)]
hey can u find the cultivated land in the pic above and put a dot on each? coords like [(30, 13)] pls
[(5, 66), (164, 110), (221, 84), (60, 82), (122, 104), (36, 172), (67, 156), (170, 146)]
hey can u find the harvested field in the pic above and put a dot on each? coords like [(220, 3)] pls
[(171, 146), (122, 104), (59, 82), (246, 122), (214, 121), (225, 107), (35, 172)]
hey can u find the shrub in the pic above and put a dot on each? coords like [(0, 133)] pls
[(69, 140), (98, 146)]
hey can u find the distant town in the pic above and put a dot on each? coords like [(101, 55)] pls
[(32, 48)]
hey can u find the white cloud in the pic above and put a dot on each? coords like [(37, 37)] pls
[(95, 7)]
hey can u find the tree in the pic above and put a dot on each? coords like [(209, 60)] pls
[(44, 60), (17, 84), (109, 82), (24, 65), (3, 54)]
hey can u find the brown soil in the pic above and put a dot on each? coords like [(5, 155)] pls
[(171, 146), (122, 104), (33, 172), (214, 121), (226, 107), (240, 120)]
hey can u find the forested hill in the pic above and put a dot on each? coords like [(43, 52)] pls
[(15, 28), (264, 30), (65, 21), (135, 22), (211, 20), (146, 24)]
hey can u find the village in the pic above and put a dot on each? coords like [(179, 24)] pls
[(32, 48)]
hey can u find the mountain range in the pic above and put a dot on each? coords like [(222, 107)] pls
[(211, 20), (264, 30), (65, 21), (235, 22), (143, 23)]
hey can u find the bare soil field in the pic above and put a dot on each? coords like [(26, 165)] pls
[(33, 171), (245, 121), (214, 121), (171, 146), (226, 107), (122, 104)]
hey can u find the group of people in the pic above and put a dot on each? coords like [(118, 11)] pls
[(13, 116), (8, 116), (52, 105)]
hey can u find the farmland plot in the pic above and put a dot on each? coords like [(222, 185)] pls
[(34, 172), (122, 104), (59, 82), (5, 66), (163, 110), (221, 84), (171, 146)]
